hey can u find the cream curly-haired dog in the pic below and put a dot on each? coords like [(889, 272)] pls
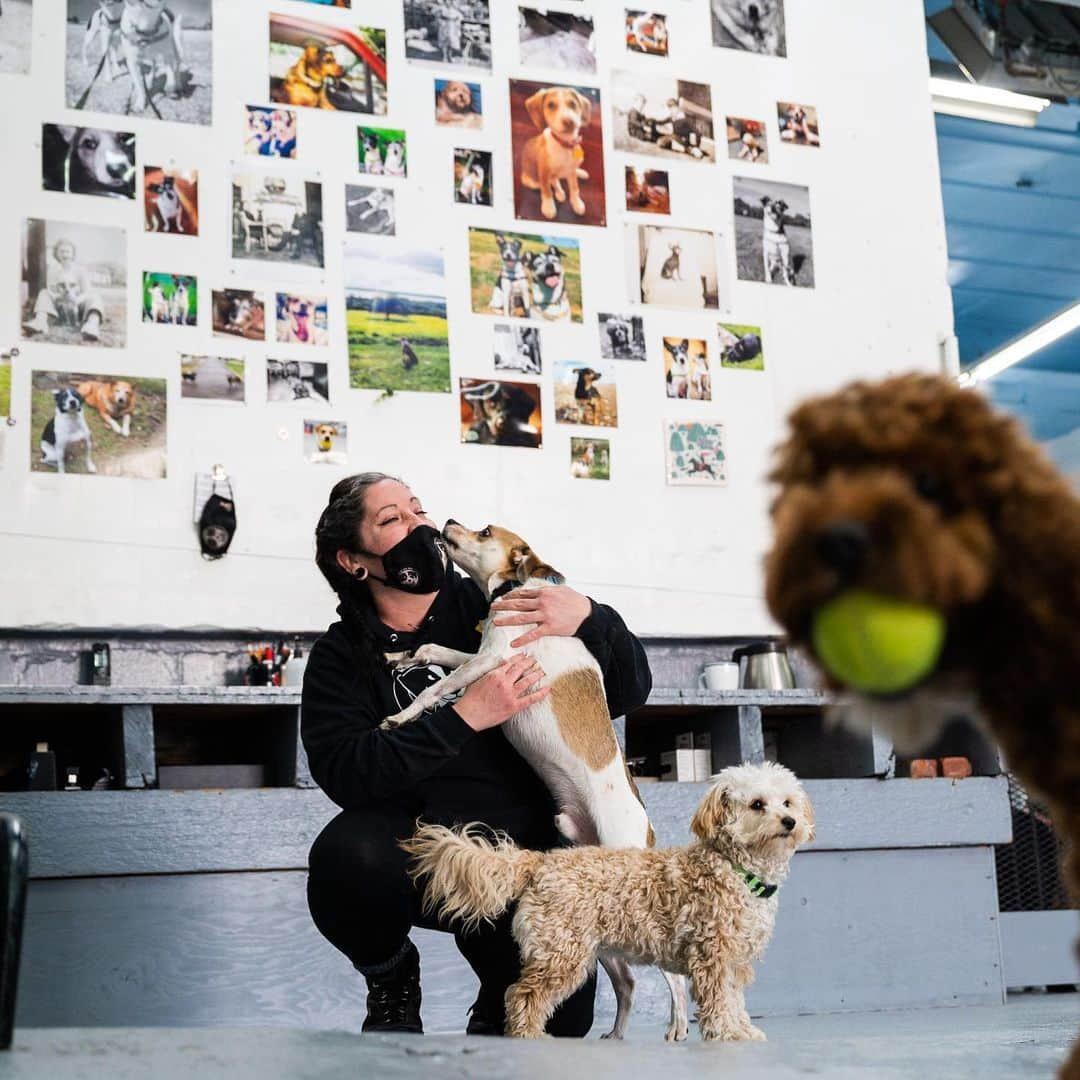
[(706, 910)]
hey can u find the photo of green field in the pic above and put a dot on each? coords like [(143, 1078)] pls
[(395, 316), (5, 385)]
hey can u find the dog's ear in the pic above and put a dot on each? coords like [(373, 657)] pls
[(806, 811), (534, 106), (586, 106), (523, 559), (716, 812)]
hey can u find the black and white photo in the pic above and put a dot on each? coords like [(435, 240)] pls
[(277, 218), (622, 336), (755, 26), (517, 348), (454, 32), (773, 237)]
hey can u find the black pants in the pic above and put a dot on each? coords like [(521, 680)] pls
[(364, 903)]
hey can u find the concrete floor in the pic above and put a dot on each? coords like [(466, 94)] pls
[(1027, 1038)]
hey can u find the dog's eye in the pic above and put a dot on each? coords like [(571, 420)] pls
[(485, 533), (787, 802), (757, 804)]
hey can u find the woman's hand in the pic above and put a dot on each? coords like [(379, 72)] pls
[(501, 693), (556, 609)]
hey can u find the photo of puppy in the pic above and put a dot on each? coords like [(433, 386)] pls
[(741, 347), (798, 123), (120, 418), (747, 140), (497, 413), (326, 442), (517, 348), (302, 320), (88, 161), (590, 459), (522, 274), (381, 151), (170, 298), (557, 141), (695, 454), (370, 210), (646, 32), (647, 191), (673, 267), (662, 116), (318, 65), (458, 104), (554, 39), (585, 394), (238, 313), (171, 201), (212, 378), (755, 26), (456, 32), (16, 29), (622, 336), (773, 232), (707, 909), (297, 380), (472, 177)]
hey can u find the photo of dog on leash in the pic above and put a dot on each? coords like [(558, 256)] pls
[(88, 161), (109, 425), (494, 412), (558, 152), (755, 26), (171, 299), (773, 234), (146, 58), (16, 30), (212, 378), (706, 910), (695, 452), (171, 200)]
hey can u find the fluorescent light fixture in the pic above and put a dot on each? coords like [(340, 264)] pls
[(1038, 337), (956, 98)]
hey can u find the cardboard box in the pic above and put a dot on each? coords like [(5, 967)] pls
[(702, 764), (686, 766)]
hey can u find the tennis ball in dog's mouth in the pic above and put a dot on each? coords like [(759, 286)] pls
[(875, 643)]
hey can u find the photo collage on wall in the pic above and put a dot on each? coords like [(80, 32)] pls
[(273, 270)]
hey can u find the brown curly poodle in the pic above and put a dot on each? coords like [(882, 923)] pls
[(916, 488)]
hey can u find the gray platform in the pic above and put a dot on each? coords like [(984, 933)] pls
[(1027, 1038)]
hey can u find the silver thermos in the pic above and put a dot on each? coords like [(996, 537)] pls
[(766, 666)]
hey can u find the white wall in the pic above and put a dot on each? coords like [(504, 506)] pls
[(96, 551)]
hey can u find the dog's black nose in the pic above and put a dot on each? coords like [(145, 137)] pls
[(451, 521), (843, 547), (788, 823)]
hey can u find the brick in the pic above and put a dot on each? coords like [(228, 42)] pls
[(923, 768), (955, 768)]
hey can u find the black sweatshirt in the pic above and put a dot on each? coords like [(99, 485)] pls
[(437, 766)]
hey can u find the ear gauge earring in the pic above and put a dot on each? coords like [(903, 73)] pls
[(360, 573)]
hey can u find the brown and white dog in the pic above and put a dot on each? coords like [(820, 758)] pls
[(306, 81), (567, 738), (114, 401), (562, 114), (151, 37)]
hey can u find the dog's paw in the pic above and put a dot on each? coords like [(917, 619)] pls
[(754, 1033), (91, 467), (677, 1032), (612, 1034), (395, 721)]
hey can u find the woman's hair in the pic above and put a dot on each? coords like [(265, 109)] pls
[(64, 242), (339, 530)]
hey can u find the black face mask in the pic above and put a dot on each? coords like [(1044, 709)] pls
[(217, 524), (416, 564)]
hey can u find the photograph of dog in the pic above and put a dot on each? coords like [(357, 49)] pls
[(326, 442), (585, 395), (646, 32), (277, 218), (458, 104), (88, 161), (694, 452), (395, 317), (647, 191), (381, 151), (498, 413), (269, 132), (238, 313), (662, 116), (526, 275), (455, 32), (109, 425), (590, 459), (297, 380), (557, 139), (472, 177), (706, 910), (555, 39), (74, 283), (747, 140), (212, 378), (755, 26), (171, 299), (146, 58), (301, 319), (370, 210), (686, 369), (773, 233), (171, 200), (517, 348), (741, 347), (16, 31), (798, 123), (672, 267), (622, 336), (317, 65)]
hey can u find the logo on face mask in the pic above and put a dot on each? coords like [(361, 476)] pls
[(408, 577)]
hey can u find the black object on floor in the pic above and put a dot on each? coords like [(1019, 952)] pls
[(14, 867)]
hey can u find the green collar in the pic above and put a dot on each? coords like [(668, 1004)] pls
[(755, 884)]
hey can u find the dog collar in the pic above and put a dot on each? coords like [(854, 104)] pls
[(511, 585), (755, 884), (571, 145)]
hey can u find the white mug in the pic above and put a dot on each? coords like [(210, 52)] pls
[(719, 675)]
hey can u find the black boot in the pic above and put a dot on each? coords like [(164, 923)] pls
[(487, 1014), (393, 1001)]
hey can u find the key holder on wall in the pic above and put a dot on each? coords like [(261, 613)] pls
[(215, 512)]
